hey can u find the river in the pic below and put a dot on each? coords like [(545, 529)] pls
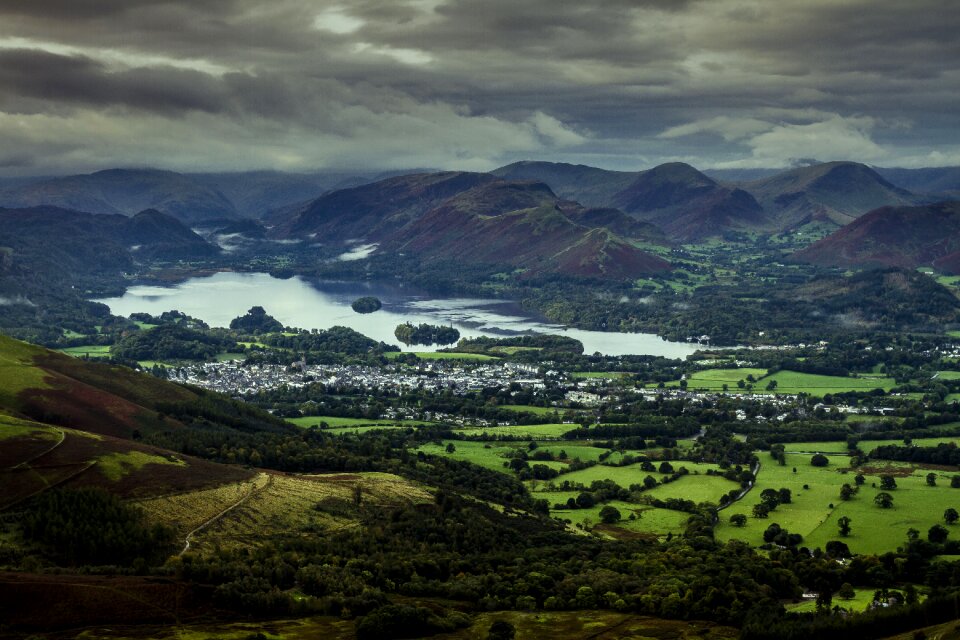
[(297, 302)]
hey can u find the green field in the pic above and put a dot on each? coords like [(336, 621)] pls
[(859, 602), (788, 382), (334, 421), (606, 375), (489, 455), (440, 355), (874, 530), (533, 431), (714, 379), (948, 375), (90, 350), (527, 408), (866, 445), (699, 488), (792, 382)]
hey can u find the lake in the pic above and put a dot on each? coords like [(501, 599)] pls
[(296, 302)]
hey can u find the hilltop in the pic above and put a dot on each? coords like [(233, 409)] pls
[(521, 225), (833, 192), (478, 219), (689, 205), (893, 236), (686, 204)]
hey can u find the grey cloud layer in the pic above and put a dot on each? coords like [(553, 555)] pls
[(296, 84)]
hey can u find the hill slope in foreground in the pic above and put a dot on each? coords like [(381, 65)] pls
[(905, 237), (69, 424)]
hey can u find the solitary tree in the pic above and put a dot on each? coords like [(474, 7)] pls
[(819, 460), (846, 492), (955, 482), (761, 510), (931, 479), (883, 500), (846, 591), (844, 524), (888, 483), (951, 515), (859, 479), (937, 534), (610, 515), (738, 520)]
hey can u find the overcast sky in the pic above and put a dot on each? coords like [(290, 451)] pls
[(473, 84)]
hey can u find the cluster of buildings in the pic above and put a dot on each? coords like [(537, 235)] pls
[(236, 378)]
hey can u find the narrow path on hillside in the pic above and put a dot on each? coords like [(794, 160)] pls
[(253, 490), (63, 436)]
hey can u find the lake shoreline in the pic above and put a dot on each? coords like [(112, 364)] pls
[(218, 295)]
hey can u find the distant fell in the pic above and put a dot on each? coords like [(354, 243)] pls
[(894, 237), (590, 186), (834, 192), (372, 212), (125, 191), (522, 225), (690, 206)]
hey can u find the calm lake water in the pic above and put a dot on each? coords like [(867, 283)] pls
[(296, 302)]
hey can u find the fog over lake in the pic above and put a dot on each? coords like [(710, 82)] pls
[(296, 302)]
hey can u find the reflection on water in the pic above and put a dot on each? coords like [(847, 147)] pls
[(220, 298)]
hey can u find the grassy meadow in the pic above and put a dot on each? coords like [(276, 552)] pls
[(815, 510), (788, 382)]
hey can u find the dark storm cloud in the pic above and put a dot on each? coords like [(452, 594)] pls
[(38, 78), (474, 83)]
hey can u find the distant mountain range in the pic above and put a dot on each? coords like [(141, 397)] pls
[(894, 237), (477, 218), (53, 240), (690, 205), (537, 216), (834, 192), (193, 198)]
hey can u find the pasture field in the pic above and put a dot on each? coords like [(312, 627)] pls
[(948, 375), (529, 408), (440, 355), (714, 379), (226, 356), (840, 448), (696, 486), (334, 421), (814, 511), (887, 421), (792, 382), (647, 519), (603, 375), (533, 431), (858, 603), (510, 350), (490, 455), (788, 382), (89, 350), (952, 397)]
